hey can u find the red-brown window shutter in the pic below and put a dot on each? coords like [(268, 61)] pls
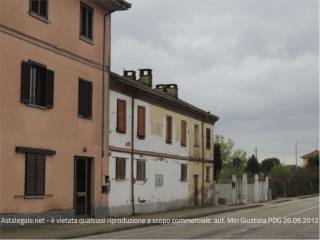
[(141, 131), (169, 129), (121, 116), (183, 133), (208, 134)]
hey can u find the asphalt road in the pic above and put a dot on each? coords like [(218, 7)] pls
[(296, 219)]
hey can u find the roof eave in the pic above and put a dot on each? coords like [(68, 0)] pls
[(113, 5)]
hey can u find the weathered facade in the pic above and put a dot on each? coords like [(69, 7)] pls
[(55, 58), (161, 148)]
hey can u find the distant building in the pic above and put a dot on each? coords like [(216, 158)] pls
[(309, 155), (161, 148)]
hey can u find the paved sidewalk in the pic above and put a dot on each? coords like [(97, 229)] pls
[(79, 230)]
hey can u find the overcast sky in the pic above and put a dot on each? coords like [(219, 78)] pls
[(254, 63)]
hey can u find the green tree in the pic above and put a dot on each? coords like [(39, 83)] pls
[(226, 148), (280, 172), (253, 166), (267, 164), (217, 161)]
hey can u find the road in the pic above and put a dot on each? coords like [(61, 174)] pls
[(237, 226)]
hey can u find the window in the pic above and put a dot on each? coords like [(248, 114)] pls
[(183, 172), (169, 129), (183, 133), (39, 8), (141, 170), (159, 180), (208, 138), (121, 116), (86, 21), (207, 174), (36, 84), (35, 175), (141, 122), (85, 99), (196, 135), (120, 168)]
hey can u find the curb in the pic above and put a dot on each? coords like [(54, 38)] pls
[(128, 227)]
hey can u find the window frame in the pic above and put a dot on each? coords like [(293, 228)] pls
[(81, 35), (184, 172), (90, 115), (36, 180), (120, 162), (141, 176), (169, 129), (38, 14)]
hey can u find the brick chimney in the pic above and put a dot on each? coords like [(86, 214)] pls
[(130, 74), (170, 89), (145, 77)]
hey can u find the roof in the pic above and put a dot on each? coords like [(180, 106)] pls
[(314, 153), (113, 5), (128, 83)]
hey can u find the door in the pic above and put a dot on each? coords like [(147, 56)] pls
[(82, 185), (196, 190)]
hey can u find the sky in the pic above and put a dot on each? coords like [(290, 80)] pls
[(253, 63)]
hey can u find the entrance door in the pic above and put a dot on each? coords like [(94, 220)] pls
[(82, 167), (196, 190)]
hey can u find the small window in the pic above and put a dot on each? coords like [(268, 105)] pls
[(36, 84), (39, 8), (85, 99), (159, 180), (207, 174), (120, 168), (208, 138), (183, 133), (141, 122), (183, 172), (121, 116), (196, 135), (35, 175), (86, 21), (141, 170), (169, 129)]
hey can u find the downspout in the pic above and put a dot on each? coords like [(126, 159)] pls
[(202, 188), (132, 154)]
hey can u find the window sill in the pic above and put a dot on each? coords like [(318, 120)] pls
[(120, 179), (183, 180), (36, 106), (141, 137), (39, 17), (84, 117), (121, 132), (183, 145), (33, 197), (167, 142), (87, 40)]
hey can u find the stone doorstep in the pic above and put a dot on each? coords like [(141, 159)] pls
[(76, 231)]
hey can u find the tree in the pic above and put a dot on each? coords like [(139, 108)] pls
[(253, 166), (267, 165), (313, 162), (217, 161), (226, 148), (280, 172)]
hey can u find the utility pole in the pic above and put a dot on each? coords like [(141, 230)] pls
[(256, 151), (296, 151)]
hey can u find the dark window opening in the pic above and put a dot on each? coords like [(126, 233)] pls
[(120, 168), (141, 170), (85, 99), (86, 21), (39, 8), (37, 84), (208, 138), (169, 129), (35, 175), (207, 174), (183, 172), (183, 133)]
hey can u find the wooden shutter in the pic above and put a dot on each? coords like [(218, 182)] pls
[(35, 175), (141, 170), (183, 172), (208, 138), (120, 168), (169, 129), (85, 99), (25, 82), (121, 116), (183, 133), (49, 89), (141, 122)]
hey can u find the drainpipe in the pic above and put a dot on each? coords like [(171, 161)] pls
[(132, 154), (202, 148)]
